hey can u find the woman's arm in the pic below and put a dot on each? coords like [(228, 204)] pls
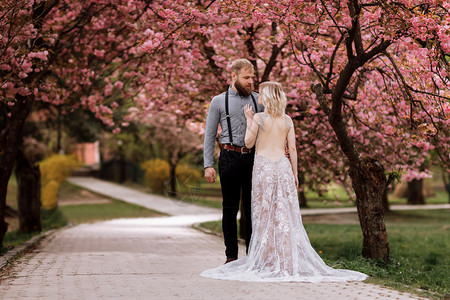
[(293, 152), (252, 127)]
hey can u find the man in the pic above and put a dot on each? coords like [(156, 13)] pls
[(236, 161)]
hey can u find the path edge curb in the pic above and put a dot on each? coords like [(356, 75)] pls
[(6, 258), (207, 231)]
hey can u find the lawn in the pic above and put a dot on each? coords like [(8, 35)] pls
[(419, 243), (210, 195)]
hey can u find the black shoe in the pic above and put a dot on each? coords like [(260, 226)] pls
[(230, 259)]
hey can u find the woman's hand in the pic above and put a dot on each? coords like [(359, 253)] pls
[(248, 112), (296, 182)]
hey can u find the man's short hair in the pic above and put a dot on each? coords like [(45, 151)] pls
[(240, 64)]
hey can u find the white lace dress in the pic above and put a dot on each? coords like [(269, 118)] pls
[(279, 247)]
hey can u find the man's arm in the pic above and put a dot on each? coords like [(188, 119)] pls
[(212, 123)]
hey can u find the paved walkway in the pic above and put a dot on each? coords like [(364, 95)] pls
[(149, 258)]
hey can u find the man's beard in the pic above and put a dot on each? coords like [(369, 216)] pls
[(243, 91)]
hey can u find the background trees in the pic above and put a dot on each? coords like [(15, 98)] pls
[(71, 54), (364, 59), (379, 71)]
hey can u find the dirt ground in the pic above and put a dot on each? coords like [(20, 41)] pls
[(348, 218), (83, 197)]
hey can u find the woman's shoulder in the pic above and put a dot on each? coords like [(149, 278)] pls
[(260, 116), (289, 122)]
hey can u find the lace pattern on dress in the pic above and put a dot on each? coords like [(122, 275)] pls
[(279, 248)]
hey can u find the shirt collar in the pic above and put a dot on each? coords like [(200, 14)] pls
[(232, 92)]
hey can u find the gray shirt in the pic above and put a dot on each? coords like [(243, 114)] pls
[(217, 115)]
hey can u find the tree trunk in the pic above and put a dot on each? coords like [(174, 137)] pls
[(447, 188), (446, 184), (385, 201), (367, 174), (122, 166), (302, 199), (173, 181), (415, 192), (369, 183), (29, 194), (10, 139), (301, 193), (5, 173)]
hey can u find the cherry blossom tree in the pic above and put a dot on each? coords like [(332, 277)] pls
[(379, 75), (379, 72), (385, 64), (71, 54)]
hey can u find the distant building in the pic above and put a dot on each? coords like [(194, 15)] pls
[(88, 153)]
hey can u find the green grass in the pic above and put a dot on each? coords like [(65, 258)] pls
[(50, 219), (440, 197), (86, 213), (11, 193), (13, 239), (419, 243), (211, 196)]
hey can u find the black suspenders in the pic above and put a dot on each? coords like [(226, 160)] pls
[(228, 114)]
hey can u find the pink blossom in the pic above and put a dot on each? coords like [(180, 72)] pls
[(313, 111), (119, 85), (40, 55), (27, 66), (5, 67), (99, 53), (108, 90)]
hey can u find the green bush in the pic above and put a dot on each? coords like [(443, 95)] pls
[(54, 170), (157, 175)]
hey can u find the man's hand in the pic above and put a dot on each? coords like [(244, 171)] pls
[(286, 153), (210, 174)]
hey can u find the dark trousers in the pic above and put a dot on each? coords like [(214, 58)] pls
[(235, 170)]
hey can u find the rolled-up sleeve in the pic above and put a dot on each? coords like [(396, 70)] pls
[(212, 123)]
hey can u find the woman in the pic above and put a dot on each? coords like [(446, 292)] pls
[(279, 247)]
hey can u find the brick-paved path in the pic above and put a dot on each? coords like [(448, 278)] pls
[(150, 258)]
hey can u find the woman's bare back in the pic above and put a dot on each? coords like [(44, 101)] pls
[(272, 133)]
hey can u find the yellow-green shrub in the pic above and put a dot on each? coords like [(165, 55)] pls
[(157, 173), (49, 194), (54, 170), (186, 175)]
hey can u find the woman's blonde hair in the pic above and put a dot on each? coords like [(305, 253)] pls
[(273, 98)]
